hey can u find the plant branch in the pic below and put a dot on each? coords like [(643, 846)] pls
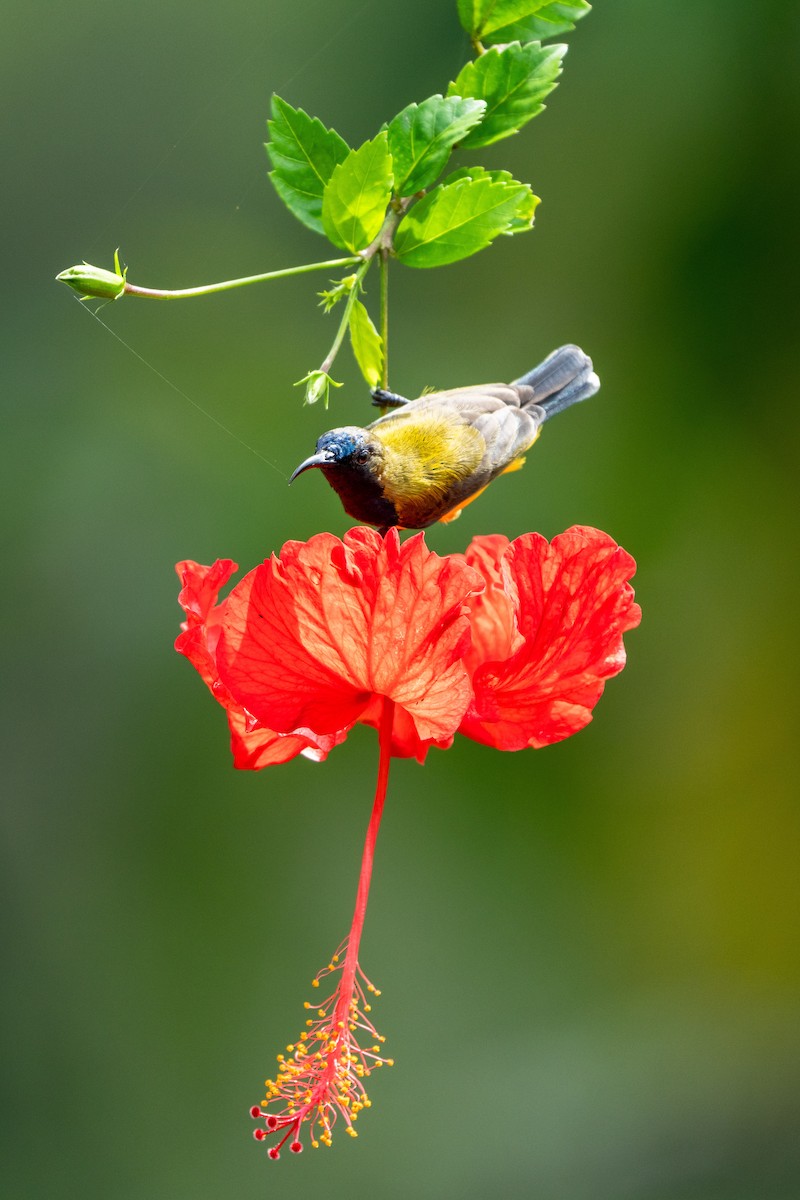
[(348, 308), (132, 289), (384, 261)]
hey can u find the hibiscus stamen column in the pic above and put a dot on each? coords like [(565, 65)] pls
[(323, 1076)]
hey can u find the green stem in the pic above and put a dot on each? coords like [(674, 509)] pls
[(384, 259), (348, 308), (131, 289)]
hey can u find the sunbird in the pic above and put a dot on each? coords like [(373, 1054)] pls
[(426, 459)]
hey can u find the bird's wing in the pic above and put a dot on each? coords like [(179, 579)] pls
[(495, 410), (470, 402), (429, 456), (508, 432)]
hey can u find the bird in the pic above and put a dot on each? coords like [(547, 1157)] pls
[(424, 460)]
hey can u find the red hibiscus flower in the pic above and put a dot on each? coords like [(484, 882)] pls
[(510, 644)]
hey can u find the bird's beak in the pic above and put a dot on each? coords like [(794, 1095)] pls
[(322, 459)]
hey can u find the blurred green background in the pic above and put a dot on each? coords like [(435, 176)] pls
[(588, 954)]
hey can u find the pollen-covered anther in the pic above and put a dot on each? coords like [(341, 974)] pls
[(320, 1078)]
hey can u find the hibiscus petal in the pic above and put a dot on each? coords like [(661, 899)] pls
[(493, 617), (573, 604), (252, 745), (255, 748), (201, 586), (309, 638), (198, 599)]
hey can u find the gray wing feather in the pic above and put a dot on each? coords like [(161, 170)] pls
[(508, 433), (469, 402)]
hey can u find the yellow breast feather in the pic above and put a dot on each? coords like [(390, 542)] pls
[(426, 456)]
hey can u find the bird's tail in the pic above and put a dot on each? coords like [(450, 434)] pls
[(564, 378)]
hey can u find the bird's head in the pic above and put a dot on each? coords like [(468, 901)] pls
[(349, 448)]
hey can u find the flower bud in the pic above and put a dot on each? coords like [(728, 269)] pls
[(95, 283), (318, 385)]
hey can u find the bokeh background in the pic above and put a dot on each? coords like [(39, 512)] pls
[(588, 954)]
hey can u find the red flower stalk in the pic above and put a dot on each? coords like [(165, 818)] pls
[(324, 1077), (510, 644)]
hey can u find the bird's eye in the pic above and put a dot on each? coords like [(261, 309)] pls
[(362, 455)]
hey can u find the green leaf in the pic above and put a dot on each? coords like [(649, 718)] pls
[(356, 197), (367, 344), (422, 136), (460, 218), (303, 153), (553, 20), (513, 81), (482, 17), (467, 14), (523, 219)]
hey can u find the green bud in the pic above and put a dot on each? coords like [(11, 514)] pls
[(95, 283), (318, 385), (339, 290)]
